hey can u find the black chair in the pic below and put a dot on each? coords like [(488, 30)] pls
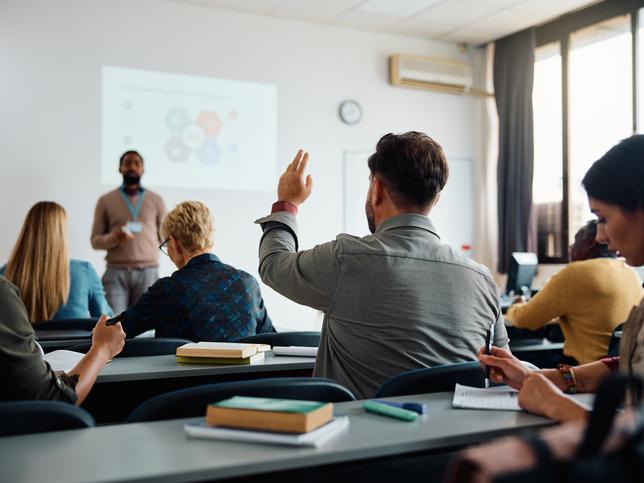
[(192, 402), (66, 324), (147, 346), (301, 338), (27, 417), (615, 338), (433, 379)]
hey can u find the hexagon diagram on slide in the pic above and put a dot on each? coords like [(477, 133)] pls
[(177, 119), (210, 123), (176, 150), (210, 152)]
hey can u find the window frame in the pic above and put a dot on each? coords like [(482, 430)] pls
[(560, 30)]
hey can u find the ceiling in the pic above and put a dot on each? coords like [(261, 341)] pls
[(457, 21)]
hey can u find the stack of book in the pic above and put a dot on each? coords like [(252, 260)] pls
[(221, 353), (282, 421)]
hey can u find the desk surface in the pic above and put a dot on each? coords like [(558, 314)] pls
[(166, 367), (161, 452), (46, 334)]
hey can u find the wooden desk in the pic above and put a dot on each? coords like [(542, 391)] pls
[(161, 452), (126, 382)]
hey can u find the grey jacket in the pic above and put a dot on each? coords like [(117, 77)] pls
[(397, 300)]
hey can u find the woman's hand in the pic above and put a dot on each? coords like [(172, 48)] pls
[(504, 367)]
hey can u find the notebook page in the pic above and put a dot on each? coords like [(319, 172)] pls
[(500, 398)]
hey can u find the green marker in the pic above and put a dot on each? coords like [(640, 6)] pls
[(392, 412)]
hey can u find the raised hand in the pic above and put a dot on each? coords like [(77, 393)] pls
[(293, 186)]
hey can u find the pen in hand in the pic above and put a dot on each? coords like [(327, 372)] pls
[(116, 319), (488, 344)]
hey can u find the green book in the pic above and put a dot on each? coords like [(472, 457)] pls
[(267, 404), (254, 359)]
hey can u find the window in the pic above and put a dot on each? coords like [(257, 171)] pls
[(585, 101), (601, 103), (547, 184)]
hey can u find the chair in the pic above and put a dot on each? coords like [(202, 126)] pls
[(66, 324), (192, 402), (615, 338), (142, 347), (433, 379), (27, 417), (301, 338)]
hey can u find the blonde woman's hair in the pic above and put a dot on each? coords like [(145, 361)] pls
[(190, 223), (39, 262)]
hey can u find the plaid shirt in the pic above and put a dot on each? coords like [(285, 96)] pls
[(204, 300)]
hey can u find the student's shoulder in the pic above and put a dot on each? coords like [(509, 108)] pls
[(81, 265)]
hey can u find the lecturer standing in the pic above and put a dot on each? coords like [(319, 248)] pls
[(126, 224)]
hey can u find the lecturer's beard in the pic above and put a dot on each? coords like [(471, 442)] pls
[(369, 212), (131, 179)]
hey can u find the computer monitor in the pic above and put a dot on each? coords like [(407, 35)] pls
[(521, 271)]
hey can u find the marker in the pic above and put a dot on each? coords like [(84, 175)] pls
[(488, 343), (417, 407), (116, 319), (389, 411)]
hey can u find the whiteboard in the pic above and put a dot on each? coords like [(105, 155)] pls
[(453, 216)]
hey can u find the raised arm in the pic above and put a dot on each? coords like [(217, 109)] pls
[(308, 277)]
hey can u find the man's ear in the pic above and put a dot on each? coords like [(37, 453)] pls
[(377, 191)]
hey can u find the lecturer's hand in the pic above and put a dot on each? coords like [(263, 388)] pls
[(293, 186), (120, 233)]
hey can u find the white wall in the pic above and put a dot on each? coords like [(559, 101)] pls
[(51, 55)]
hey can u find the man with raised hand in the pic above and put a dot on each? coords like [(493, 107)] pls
[(396, 300)]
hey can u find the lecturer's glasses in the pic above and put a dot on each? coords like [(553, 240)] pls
[(164, 246)]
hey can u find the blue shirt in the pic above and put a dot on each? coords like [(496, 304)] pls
[(86, 294), (205, 300)]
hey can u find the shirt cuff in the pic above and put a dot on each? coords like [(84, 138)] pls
[(284, 206), (612, 363)]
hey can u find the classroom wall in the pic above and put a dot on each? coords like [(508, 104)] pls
[(51, 55)]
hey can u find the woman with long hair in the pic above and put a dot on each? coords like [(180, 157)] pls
[(51, 285)]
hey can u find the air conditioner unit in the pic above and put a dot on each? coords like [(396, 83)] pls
[(430, 73)]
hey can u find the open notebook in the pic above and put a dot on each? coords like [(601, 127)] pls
[(502, 398)]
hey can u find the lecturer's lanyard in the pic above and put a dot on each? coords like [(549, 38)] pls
[(134, 211)]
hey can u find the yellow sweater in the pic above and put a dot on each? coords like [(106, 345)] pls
[(590, 298)]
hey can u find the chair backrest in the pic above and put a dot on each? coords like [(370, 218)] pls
[(613, 343), (433, 379), (26, 417), (147, 346), (66, 324), (192, 402), (301, 338)]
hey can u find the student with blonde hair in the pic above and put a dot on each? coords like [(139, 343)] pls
[(204, 299), (51, 285)]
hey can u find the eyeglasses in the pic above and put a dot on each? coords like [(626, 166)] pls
[(164, 246)]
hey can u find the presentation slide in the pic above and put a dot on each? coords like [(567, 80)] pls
[(193, 132)]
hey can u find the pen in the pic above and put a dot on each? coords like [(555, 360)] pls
[(488, 343), (117, 318), (417, 407)]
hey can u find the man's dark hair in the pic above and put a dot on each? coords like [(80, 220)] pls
[(618, 176), (587, 235), (126, 153), (412, 166)]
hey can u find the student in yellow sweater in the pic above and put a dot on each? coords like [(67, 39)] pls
[(591, 296)]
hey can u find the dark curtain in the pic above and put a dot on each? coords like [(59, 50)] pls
[(513, 79)]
